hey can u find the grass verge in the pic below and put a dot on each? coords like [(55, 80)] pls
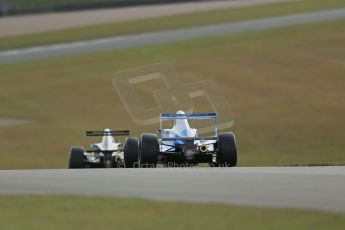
[(75, 212), (171, 22)]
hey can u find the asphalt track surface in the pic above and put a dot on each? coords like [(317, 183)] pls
[(317, 188), (17, 25), (131, 41)]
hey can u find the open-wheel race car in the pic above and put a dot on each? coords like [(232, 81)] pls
[(109, 153), (182, 146)]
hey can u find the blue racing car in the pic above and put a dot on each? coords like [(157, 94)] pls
[(181, 145)]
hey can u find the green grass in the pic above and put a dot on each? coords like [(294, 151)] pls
[(74, 212), (285, 86), (171, 22)]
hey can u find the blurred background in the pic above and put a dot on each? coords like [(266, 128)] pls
[(285, 85), (276, 66), (9, 7)]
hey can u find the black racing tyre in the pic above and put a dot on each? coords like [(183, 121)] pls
[(149, 149), (76, 158), (131, 152), (227, 154)]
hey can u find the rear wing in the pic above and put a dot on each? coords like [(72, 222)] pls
[(107, 133), (193, 116), (189, 138)]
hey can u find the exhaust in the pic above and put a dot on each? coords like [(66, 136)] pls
[(203, 148)]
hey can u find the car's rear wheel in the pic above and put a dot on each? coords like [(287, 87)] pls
[(131, 152), (149, 149), (227, 154), (76, 158)]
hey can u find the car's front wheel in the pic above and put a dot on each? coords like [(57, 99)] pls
[(76, 158)]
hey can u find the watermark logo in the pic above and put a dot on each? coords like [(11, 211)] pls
[(174, 96)]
